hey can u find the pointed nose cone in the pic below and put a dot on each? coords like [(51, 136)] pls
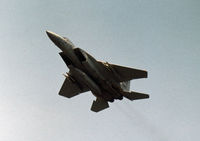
[(61, 42), (55, 38)]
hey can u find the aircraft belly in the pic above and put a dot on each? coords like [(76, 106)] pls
[(82, 77), (92, 70), (108, 87)]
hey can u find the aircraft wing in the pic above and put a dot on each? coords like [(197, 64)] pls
[(125, 73), (71, 88)]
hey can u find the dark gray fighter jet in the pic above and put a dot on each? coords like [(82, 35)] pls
[(106, 81)]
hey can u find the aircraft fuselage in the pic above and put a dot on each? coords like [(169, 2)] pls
[(85, 68), (106, 81)]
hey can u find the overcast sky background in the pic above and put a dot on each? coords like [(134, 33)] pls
[(160, 36)]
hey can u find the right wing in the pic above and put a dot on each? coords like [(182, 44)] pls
[(127, 74), (71, 88), (122, 73)]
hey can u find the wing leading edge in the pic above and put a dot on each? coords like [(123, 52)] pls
[(126, 74)]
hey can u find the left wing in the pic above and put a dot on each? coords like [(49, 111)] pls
[(71, 88)]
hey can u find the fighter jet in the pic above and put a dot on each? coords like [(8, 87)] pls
[(107, 82)]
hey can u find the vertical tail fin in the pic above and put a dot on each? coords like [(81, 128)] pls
[(99, 104), (125, 85)]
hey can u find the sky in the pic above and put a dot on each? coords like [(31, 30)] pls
[(160, 36)]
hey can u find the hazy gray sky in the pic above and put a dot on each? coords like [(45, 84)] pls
[(161, 36)]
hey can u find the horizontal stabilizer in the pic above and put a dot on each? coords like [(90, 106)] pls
[(99, 104), (135, 95)]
